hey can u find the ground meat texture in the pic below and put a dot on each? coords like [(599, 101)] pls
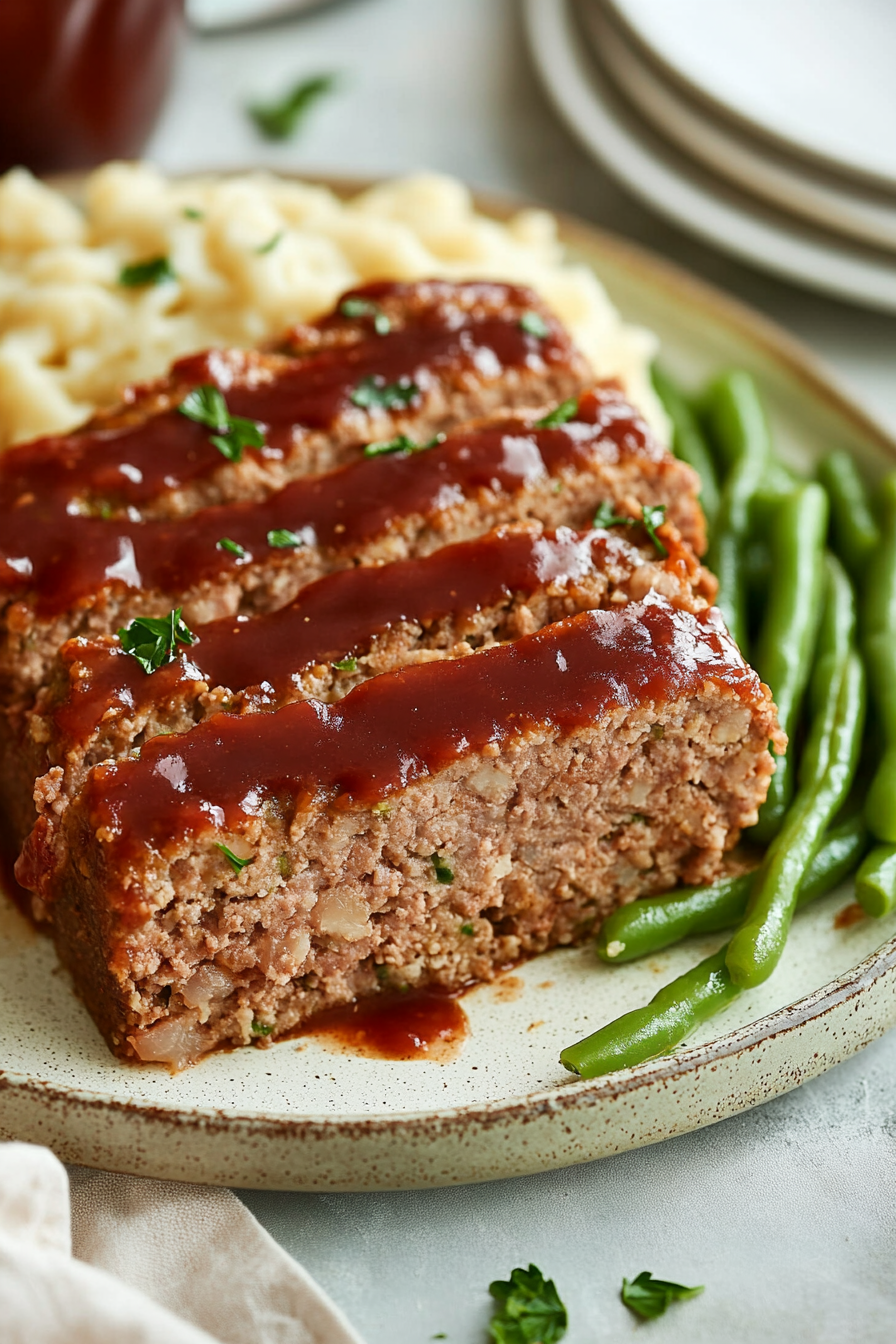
[(604, 757), (447, 353), (91, 575), (338, 632)]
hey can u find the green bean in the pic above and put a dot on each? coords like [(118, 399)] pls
[(789, 631), (876, 881), (856, 535), (739, 434), (699, 994), (688, 442), (826, 773), (670, 1016), (879, 648), (652, 923)]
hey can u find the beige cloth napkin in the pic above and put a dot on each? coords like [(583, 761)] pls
[(87, 1257)]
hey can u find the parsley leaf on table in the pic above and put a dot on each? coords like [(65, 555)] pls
[(528, 1311), (650, 1297), (206, 406), (280, 120), (153, 640), (153, 271)]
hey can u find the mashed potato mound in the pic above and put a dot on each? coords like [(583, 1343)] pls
[(251, 254)]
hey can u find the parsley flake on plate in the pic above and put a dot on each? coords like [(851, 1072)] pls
[(282, 537), (528, 1309), (444, 871), (206, 406), (649, 1297), (652, 517), (236, 863), (280, 120), (372, 392), (559, 415), (533, 324), (152, 271), (153, 640), (367, 308)]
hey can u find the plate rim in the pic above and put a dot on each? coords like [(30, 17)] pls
[(865, 176), (716, 211), (811, 372)]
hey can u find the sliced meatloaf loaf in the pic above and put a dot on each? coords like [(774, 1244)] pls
[(339, 631), (440, 821), (392, 358), (88, 575)]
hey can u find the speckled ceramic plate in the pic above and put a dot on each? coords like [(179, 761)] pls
[(298, 1117)]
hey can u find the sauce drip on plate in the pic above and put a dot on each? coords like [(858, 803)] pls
[(419, 1024)]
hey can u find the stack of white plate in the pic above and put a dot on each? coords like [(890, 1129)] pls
[(768, 128)]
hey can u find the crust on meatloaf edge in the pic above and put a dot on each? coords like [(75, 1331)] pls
[(606, 757)]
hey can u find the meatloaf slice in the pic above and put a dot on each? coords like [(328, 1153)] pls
[(429, 356), (90, 575), (338, 632), (236, 878)]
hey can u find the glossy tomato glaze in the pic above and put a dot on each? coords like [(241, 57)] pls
[(400, 727), (73, 556), (338, 616), (132, 465)]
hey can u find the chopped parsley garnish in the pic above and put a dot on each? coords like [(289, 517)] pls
[(400, 444), (261, 1028), (373, 392), (382, 809), (652, 517), (559, 415), (281, 537), (533, 324), (284, 865), (270, 244), (280, 120), (528, 1311), (206, 406), (190, 212), (153, 271), (153, 640), (444, 873), (382, 974), (236, 863), (226, 544), (367, 308), (657, 732), (467, 929), (650, 1297), (349, 664)]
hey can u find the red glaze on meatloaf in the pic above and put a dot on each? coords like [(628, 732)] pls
[(525, 791)]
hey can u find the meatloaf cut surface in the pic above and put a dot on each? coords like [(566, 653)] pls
[(439, 822), (338, 632), (89, 575), (447, 353)]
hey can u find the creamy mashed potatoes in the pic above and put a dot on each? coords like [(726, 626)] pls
[(250, 255)]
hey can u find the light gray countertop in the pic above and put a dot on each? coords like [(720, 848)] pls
[(787, 1213)]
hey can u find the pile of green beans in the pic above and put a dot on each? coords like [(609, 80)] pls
[(825, 554)]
